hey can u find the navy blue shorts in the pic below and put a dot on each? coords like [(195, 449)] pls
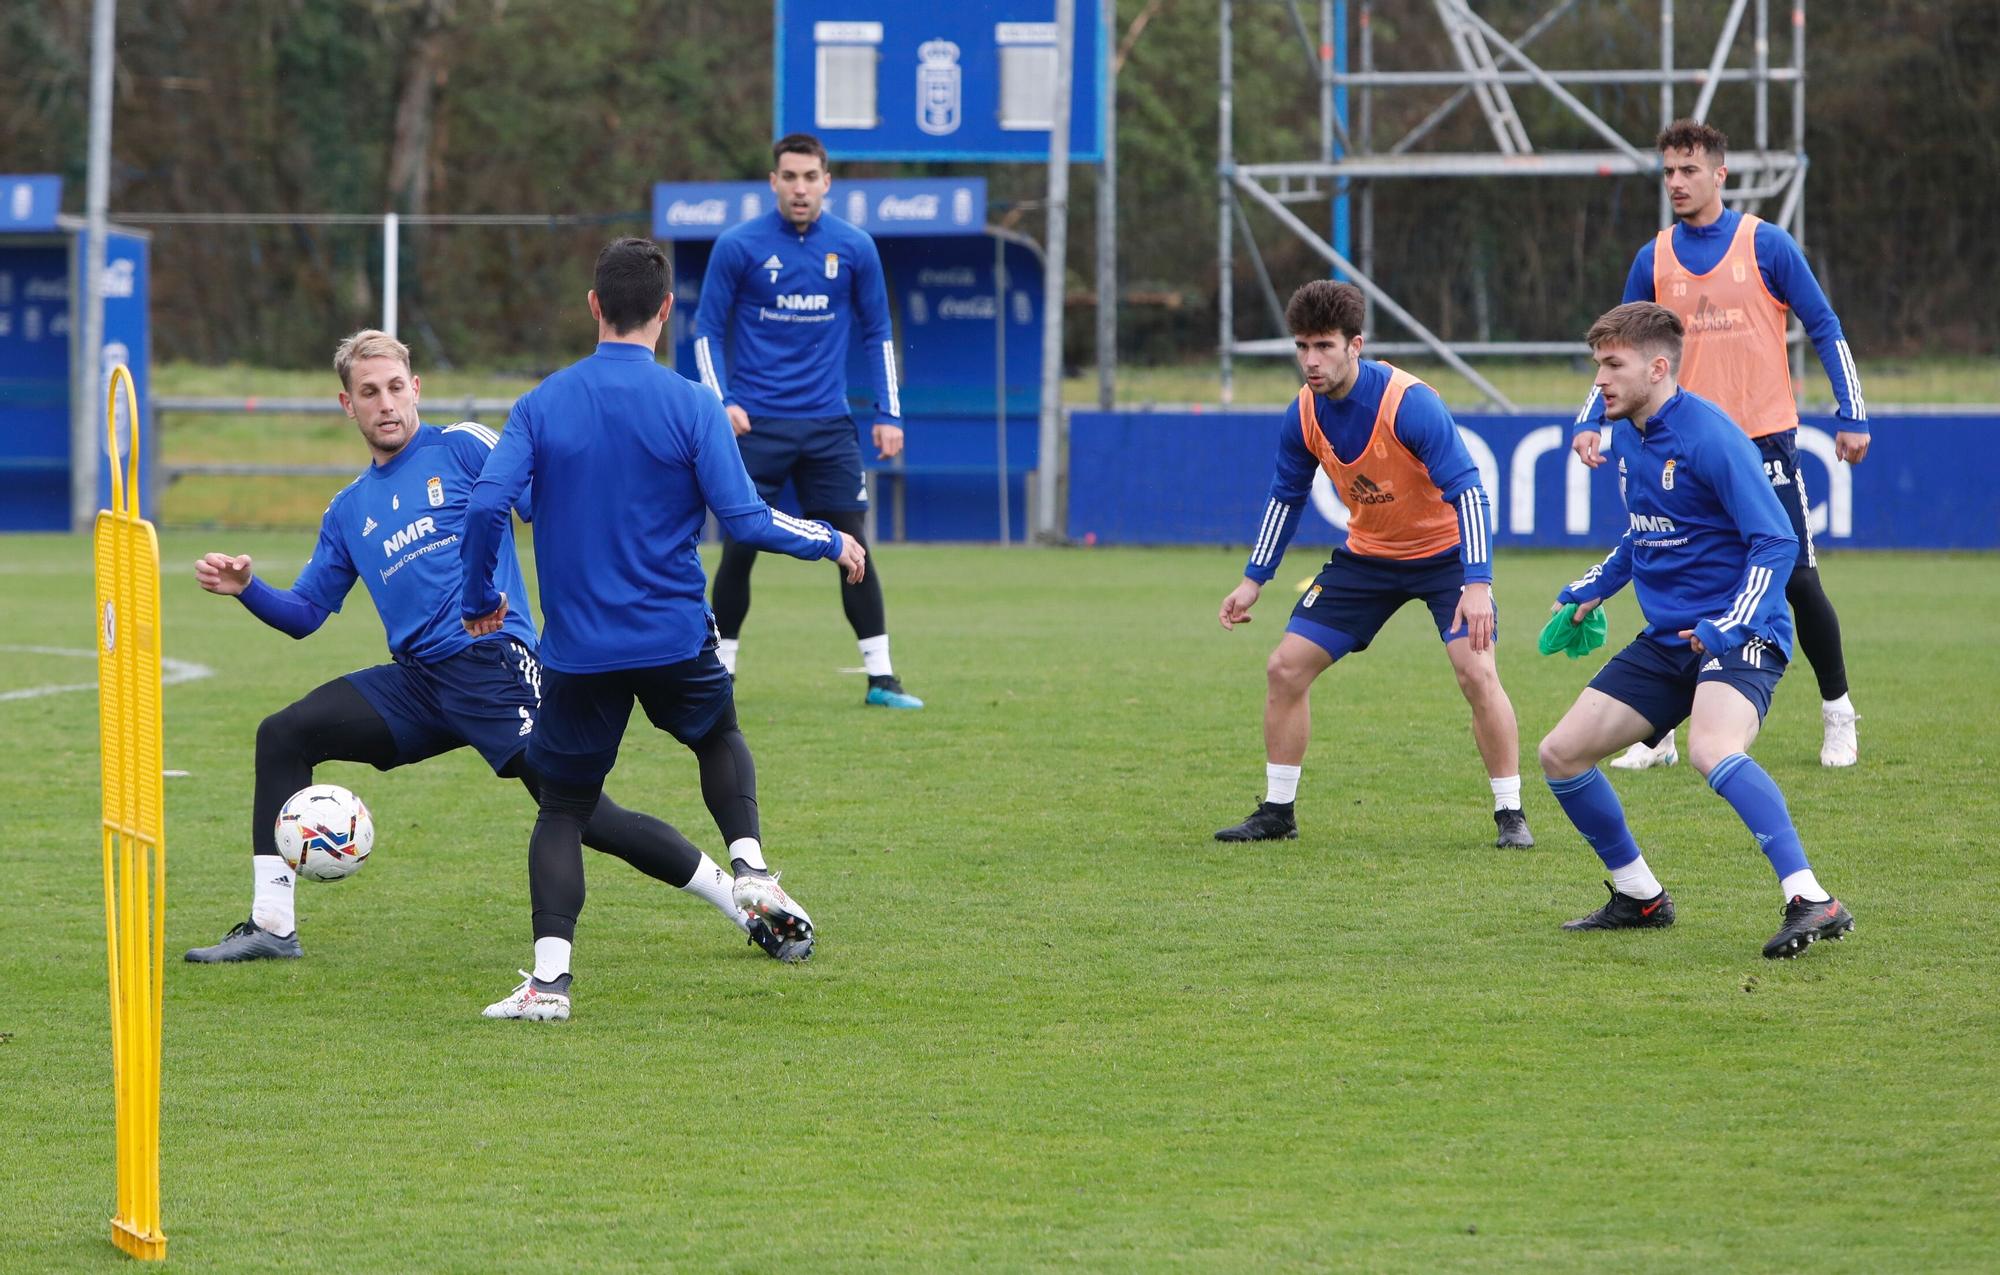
[(487, 696), (1354, 597), (822, 458), (1781, 465), (1657, 681), (584, 714)]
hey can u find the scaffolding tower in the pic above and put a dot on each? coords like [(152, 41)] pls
[(1489, 67)]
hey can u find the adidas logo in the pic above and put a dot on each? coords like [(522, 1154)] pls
[(368, 527), (1713, 666), (284, 880), (1365, 492)]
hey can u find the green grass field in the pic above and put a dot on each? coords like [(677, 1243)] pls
[(1051, 1025)]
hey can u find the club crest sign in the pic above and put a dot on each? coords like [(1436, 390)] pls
[(939, 81)]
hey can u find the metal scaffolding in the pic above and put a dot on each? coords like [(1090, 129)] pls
[(1489, 67)]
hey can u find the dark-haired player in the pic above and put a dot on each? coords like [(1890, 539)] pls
[(1735, 281), (1418, 528), (1707, 551), (395, 529), (627, 458), (788, 291)]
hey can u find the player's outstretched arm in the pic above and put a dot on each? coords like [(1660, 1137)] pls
[(283, 609), (1236, 606)]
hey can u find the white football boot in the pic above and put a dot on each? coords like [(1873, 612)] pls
[(1640, 757), (534, 1001), (762, 897), (1839, 748)]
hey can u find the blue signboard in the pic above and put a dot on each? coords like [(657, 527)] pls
[(1203, 478), (884, 207), (915, 80), (29, 201)]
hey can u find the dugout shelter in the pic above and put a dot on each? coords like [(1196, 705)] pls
[(50, 430), (965, 301)]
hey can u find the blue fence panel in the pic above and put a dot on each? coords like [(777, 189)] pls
[(1202, 477)]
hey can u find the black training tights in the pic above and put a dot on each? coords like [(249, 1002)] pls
[(555, 851), (332, 723), (1819, 631), (335, 722), (862, 602)]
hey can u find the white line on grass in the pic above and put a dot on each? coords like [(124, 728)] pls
[(172, 671)]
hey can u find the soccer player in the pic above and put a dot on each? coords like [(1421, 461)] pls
[(788, 290), (626, 457), (396, 529), (1734, 280), (1708, 550), (1419, 529)]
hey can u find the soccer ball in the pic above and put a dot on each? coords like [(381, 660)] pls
[(324, 832)]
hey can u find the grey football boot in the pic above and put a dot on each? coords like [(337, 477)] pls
[(247, 942)]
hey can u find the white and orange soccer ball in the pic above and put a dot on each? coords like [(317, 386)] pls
[(325, 833)]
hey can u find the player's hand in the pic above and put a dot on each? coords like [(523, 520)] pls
[(1588, 447), (888, 441), (739, 420), (853, 559), (223, 573), (488, 623), (1583, 609), (1236, 607), (1850, 446), (1694, 642), (1475, 615)]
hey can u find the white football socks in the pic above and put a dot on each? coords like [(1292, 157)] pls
[(725, 650), (1841, 705), (551, 959), (1281, 784), (712, 883), (749, 850), (1803, 884), (271, 906), (1506, 793), (1635, 880), (875, 655)]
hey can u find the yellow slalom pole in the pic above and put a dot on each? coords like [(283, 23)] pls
[(134, 830)]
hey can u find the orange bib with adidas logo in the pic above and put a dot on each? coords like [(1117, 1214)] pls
[(1734, 353), (1395, 510)]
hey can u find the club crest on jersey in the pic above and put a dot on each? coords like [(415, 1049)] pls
[(1312, 596), (1667, 475), (1737, 272), (434, 492), (833, 265)]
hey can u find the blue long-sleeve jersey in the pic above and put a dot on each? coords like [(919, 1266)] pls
[(1423, 424), (1788, 277), (626, 457), (397, 528), (1709, 548), (787, 302)]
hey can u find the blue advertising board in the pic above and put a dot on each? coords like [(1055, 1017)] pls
[(29, 201), (916, 80), (41, 278), (1203, 478), (900, 206)]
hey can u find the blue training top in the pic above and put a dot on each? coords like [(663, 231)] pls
[(627, 457), (397, 529), (789, 301), (1423, 424), (1709, 547), (1788, 277)]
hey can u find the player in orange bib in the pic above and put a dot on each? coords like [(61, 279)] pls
[(1419, 527), (1735, 281)]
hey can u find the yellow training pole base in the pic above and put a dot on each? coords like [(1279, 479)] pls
[(147, 1248)]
